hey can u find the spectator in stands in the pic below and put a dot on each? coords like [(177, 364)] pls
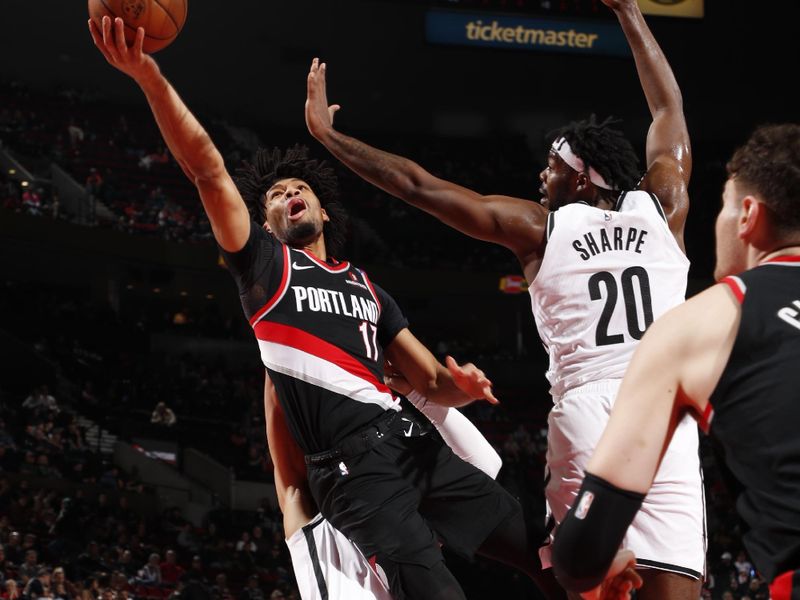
[(39, 585), (90, 561), (125, 564), (13, 547), (246, 550), (220, 590), (40, 401), (6, 439), (163, 415), (150, 573), (30, 566), (60, 587), (252, 591), (171, 571), (11, 591)]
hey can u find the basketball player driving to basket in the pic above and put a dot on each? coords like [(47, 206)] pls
[(605, 257), (376, 470)]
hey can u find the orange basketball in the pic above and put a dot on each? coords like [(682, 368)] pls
[(162, 19)]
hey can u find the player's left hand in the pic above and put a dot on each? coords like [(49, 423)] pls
[(471, 380), (620, 580), (396, 380), (319, 115)]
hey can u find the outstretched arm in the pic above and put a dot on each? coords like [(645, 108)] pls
[(669, 156), (511, 222), (187, 140), (451, 385)]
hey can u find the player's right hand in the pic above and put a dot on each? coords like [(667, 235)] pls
[(319, 115), (620, 580), (109, 37)]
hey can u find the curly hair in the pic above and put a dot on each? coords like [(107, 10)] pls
[(768, 165), (268, 166), (604, 148)]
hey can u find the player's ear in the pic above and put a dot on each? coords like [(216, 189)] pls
[(581, 182), (751, 216), (325, 217)]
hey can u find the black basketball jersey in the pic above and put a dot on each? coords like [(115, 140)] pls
[(754, 412), (321, 328)]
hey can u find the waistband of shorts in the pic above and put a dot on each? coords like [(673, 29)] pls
[(603, 386), (785, 586), (357, 443)]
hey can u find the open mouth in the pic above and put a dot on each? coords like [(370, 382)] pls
[(296, 208)]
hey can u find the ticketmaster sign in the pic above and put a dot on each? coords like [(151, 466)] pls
[(509, 31)]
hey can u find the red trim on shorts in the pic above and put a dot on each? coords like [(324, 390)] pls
[(705, 419), (736, 287), (278, 293), (781, 587), (293, 337)]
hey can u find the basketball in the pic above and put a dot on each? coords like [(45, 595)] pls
[(162, 19)]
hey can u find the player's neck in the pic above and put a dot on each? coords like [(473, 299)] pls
[(317, 248)]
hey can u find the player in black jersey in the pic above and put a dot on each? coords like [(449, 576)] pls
[(730, 356), (379, 474)]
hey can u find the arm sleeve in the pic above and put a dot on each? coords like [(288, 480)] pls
[(392, 320), (460, 434), (588, 538)]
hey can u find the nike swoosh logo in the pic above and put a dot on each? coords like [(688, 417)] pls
[(410, 427), (297, 267)]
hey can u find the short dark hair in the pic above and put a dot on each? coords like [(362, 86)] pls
[(604, 148), (768, 165), (268, 166)]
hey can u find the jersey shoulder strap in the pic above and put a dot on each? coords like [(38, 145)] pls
[(641, 200)]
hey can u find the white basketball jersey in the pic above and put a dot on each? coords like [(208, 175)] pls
[(606, 275)]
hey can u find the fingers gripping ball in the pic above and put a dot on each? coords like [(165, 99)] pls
[(162, 19)]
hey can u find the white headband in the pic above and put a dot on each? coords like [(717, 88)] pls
[(564, 150)]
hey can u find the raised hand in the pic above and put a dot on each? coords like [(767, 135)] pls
[(109, 37), (471, 380), (319, 115)]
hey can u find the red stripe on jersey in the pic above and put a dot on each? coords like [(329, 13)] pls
[(302, 340), (706, 417), (781, 587), (736, 287), (278, 293), (372, 290), (342, 266), (789, 258)]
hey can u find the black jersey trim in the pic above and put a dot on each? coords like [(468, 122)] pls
[(551, 223), (659, 208), (661, 566), (308, 532), (620, 200)]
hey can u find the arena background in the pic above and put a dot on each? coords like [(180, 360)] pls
[(113, 297)]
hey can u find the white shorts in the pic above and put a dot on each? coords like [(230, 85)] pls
[(328, 565), (668, 532)]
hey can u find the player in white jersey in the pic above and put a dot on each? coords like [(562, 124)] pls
[(611, 270), (326, 563)]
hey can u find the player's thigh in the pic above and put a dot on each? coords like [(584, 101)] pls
[(662, 585)]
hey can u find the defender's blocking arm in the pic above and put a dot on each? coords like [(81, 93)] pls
[(187, 140), (511, 222), (668, 150)]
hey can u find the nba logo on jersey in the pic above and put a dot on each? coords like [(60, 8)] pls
[(584, 505)]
